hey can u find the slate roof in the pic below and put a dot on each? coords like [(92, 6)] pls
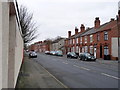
[(105, 26)]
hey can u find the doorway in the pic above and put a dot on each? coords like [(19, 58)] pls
[(100, 51)]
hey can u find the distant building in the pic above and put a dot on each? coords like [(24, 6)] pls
[(100, 40), (48, 45), (58, 45)]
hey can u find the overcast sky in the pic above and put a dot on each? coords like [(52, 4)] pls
[(57, 17)]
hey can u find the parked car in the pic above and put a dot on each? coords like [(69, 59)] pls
[(33, 54), (72, 55), (52, 52), (47, 52), (59, 53), (86, 56)]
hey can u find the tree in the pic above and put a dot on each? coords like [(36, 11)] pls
[(28, 26)]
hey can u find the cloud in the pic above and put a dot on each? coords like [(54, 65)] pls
[(56, 17)]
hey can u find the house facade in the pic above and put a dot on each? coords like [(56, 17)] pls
[(100, 40), (58, 45)]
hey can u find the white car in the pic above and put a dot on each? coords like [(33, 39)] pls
[(33, 54)]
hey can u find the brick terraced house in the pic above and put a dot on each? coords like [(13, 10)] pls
[(100, 40)]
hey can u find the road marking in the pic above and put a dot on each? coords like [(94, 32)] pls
[(85, 68), (82, 67), (65, 63), (76, 66), (110, 76)]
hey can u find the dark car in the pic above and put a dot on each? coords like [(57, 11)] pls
[(72, 55), (86, 57), (32, 54), (59, 53)]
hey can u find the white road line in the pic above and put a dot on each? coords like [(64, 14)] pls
[(82, 67), (76, 66), (85, 68), (110, 76), (64, 62)]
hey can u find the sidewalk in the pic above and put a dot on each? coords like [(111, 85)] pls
[(110, 62), (33, 75)]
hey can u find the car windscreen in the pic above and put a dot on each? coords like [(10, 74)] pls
[(72, 53), (87, 54)]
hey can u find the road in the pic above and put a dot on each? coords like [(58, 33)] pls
[(80, 74)]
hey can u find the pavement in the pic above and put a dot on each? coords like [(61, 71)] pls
[(33, 75)]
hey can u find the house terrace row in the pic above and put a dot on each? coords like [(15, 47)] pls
[(100, 40)]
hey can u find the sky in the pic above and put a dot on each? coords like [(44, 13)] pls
[(57, 17)]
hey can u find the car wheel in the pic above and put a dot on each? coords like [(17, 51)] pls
[(85, 59)]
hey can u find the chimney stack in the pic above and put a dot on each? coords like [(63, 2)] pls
[(69, 34), (97, 23), (82, 28), (112, 19), (76, 30)]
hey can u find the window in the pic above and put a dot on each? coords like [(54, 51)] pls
[(82, 49), (73, 41), (98, 37), (91, 38), (77, 49), (91, 49), (86, 48), (106, 50), (77, 40), (105, 35), (80, 40), (73, 49), (85, 39)]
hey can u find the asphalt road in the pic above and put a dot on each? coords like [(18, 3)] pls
[(80, 74)]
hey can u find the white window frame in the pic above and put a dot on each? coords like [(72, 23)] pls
[(106, 50), (91, 49), (80, 40), (91, 38), (86, 49), (98, 36), (105, 35), (85, 38), (76, 40), (77, 49)]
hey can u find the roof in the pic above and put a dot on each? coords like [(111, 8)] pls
[(105, 26)]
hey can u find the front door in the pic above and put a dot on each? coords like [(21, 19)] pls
[(101, 51)]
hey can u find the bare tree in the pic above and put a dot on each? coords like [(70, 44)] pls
[(28, 26)]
